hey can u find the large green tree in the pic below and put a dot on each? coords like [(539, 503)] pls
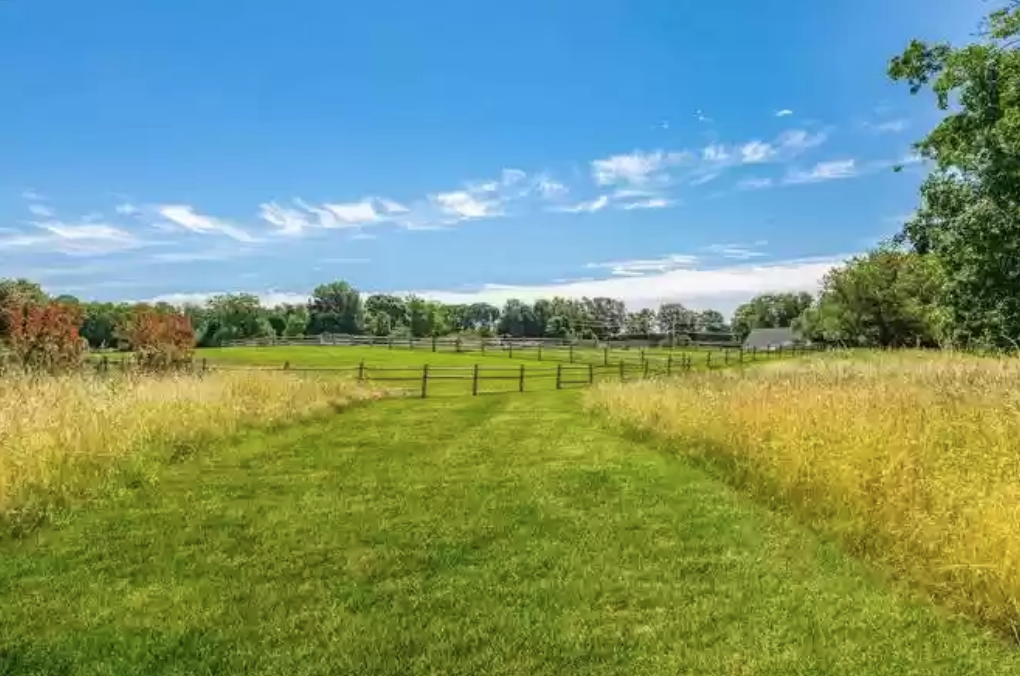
[(969, 213), (335, 308), (769, 311), (885, 298)]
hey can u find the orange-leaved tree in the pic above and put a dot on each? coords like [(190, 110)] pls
[(43, 335), (159, 339)]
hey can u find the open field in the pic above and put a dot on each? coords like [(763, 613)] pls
[(63, 438), (499, 535), (453, 373), (448, 354), (909, 459)]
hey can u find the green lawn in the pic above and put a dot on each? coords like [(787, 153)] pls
[(499, 371), (489, 535)]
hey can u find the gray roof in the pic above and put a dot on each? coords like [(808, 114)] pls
[(766, 338)]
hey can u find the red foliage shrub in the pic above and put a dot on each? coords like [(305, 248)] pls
[(44, 335), (159, 339)]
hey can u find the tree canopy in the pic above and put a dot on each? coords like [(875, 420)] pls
[(968, 219)]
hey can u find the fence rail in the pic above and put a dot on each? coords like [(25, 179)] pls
[(566, 375)]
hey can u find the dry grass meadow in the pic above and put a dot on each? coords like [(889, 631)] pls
[(910, 459), (60, 436)]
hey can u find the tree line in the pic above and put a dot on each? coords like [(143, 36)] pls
[(339, 308)]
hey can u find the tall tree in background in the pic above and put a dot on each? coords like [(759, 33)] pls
[(335, 308), (710, 321), (641, 324), (885, 298), (769, 311), (969, 215), (676, 319), (385, 312)]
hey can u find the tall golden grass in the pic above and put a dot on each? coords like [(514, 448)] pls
[(60, 436), (911, 460)]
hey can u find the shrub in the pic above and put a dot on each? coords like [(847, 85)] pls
[(44, 336), (160, 340)]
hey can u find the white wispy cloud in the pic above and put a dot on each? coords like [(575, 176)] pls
[(823, 171), (738, 252), (653, 203), (636, 168), (890, 126), (755, 183), (715, 153), (721, 288), (52, 236), (756, 151), (550, 189), (185, 216), (127, 209), (32, 195), (290, 222), (465, 204), (590, 206), (40, 210), (641, 266), (267, 298), (785, 112), (705, 178)]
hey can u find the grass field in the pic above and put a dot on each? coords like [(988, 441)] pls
[(499, 535), (451, 372), (910, 459), (64, 439), (340, 356)]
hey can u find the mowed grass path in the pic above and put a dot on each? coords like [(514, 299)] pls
[(490, 535)]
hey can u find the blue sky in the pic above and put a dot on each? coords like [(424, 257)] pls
[(650, 150)]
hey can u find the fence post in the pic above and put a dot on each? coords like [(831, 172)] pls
[(708, 360), (642, 353), (389, 343), (605, 356), (424, 381), (559, 376), (754, 353), (591, 373), (726, 356), (286, 365), (361, 370), (522, 377), (474, 383), (669, 364), (457, 348), (623, 370), (433, 343), (106, 364), (645, 372), (741, 355), (540, 352)]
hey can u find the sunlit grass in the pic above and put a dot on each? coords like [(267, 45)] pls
[(911, 460), (60, 436)]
